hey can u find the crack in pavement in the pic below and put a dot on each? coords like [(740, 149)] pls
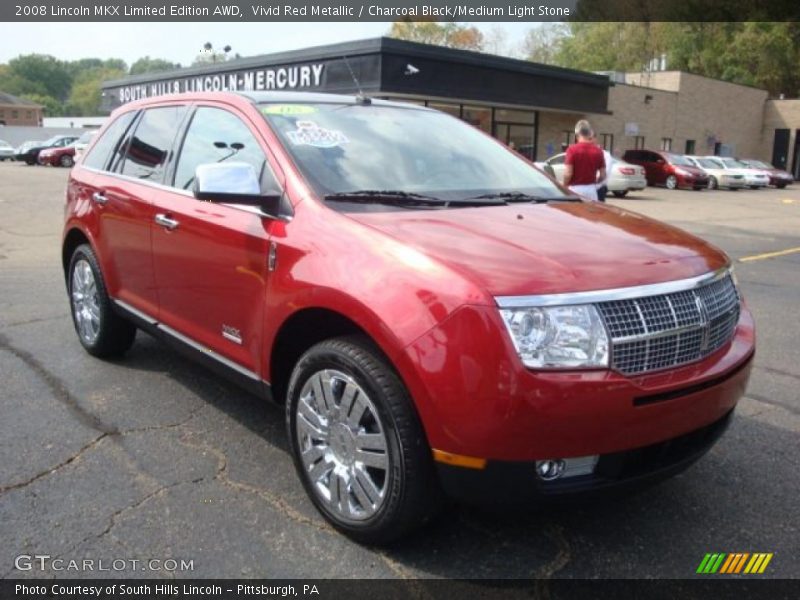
[(58, 389), (763, 399), (51, 470), (778, 372), (559, 561), (36, 320), (272, 499)]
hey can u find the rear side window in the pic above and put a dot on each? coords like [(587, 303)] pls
[(99, 155), (214, 136), (149, 147)]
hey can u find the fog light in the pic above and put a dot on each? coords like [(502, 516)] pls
[(549, 469), (566, 467)]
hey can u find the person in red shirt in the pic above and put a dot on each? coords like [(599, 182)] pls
[(584, 164)]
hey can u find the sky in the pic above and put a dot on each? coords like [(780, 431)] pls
[(181, 42)]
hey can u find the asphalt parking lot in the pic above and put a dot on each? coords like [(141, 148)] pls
[(153, 458)]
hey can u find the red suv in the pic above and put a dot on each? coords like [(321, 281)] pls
[(667, 169), (435, 314)]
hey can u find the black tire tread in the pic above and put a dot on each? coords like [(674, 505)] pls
[(419, 498), (116, 333)]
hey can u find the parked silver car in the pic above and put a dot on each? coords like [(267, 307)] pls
[(6, 151), (623, 178)]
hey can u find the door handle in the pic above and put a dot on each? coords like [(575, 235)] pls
[(165, 221), (99, 198)]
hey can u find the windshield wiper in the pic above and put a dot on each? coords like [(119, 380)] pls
[(522, 197), (409, 199)]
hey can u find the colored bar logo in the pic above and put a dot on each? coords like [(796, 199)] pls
[(734, 563)]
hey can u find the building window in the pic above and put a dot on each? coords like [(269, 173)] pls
[(608, 141), (638, 142), (478, 116), (689, 147), (450, 109), (569, 138), (666, 144), (14, 114), (29, 114)]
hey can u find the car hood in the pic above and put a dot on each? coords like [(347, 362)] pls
[(550, 248)]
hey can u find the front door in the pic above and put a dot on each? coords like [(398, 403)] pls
[(780, 148), (211, 259)]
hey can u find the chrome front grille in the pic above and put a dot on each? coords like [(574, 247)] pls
[(659, 332)]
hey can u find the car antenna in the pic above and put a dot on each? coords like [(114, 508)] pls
[(361, 98)]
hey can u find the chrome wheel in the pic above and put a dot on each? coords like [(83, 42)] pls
[(672, 182), (343, 447), (85, 305)]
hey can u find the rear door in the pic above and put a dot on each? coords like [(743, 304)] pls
[(125, 191), (211, 259)]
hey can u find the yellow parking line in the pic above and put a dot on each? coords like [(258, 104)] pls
[(770, 254)]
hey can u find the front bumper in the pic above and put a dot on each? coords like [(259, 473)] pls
[(692, 181), (506, 482), (476, 399)]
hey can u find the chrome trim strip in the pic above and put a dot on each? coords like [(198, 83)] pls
[(190, 342), (253, 210), (143, 316), (594, 296)]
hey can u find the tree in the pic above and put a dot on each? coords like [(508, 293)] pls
[(543, 43), (86, 96), (47, 71), (451, 35), (52, 107), (152, 65), (764, 55)]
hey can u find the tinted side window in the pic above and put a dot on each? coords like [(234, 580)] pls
[(149, 146), (98, 156), (214, 136)]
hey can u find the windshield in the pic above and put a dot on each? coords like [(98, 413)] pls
[(733, 164), (84, 139), (52, 140), (707, 163), (759, 164), (347, 148), (678, 160), (4, 143)]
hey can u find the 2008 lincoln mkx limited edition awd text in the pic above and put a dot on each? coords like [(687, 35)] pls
[(438, 317)]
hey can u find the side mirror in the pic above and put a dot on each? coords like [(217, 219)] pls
[(234, 183)]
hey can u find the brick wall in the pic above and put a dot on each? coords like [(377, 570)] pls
[(20, 114)]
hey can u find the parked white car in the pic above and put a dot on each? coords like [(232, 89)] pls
[(82, 143), (6, 150), (755, 178), (624, 177), (719, 176)]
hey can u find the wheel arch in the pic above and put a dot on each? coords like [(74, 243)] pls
[(299, 332), (72, 239)]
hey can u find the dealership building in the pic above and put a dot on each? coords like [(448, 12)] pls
[(532, 106)]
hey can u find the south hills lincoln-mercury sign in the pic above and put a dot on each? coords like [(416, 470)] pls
[(381, 67), (281, 78)]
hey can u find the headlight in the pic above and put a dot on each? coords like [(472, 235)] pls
[(563, 337)]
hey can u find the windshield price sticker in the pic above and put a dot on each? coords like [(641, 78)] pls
[(308, 133), (288, 109)]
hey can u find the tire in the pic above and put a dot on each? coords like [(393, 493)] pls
[(620, 194), (30, 161), (66, 161), (671, 182), (398, 490), (754, 187), (101, 331), (780, 186), (713, 184), (697, 188)]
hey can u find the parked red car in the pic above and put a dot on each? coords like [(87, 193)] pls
[(435, 314), (667, 169), (58, 157), (777, 177)]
